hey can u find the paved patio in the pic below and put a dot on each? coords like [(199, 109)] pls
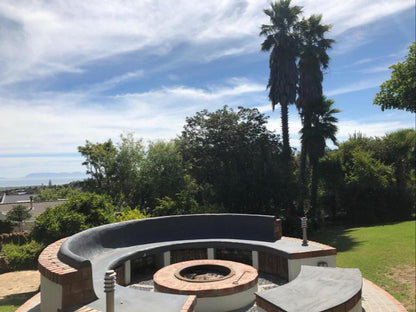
[(374, 299)]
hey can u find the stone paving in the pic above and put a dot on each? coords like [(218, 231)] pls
[(374, 299)]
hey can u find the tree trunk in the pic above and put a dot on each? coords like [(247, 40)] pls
[(314, 192), (285, 130), (303, 159)]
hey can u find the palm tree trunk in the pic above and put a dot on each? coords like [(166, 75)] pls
[(285, 130), (303, 158), (314, 192)]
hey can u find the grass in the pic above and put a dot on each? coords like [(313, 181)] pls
[(382, 253)]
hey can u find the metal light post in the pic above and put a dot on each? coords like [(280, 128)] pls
[(304, 225), (109, 286)]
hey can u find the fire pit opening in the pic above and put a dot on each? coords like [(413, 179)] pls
[(204, 273), (219, 285)]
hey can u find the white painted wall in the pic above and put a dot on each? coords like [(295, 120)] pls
[(255, 259), (127, 272), (211, 253), (50, 295), (226, 303), (295, 264)]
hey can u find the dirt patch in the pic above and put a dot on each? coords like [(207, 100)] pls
[(406, 275), (16, 283)]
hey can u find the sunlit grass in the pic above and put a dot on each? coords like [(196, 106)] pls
[(379, 252)]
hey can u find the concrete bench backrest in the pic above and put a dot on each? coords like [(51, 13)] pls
[(82, 247)]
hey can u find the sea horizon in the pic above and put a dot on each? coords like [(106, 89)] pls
[(27, 182)]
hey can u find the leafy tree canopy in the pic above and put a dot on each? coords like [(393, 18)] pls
[(80, 212), (18, 213), (399, 92), (234, 157)]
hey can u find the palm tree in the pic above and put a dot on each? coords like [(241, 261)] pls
[(282, 40), (313, 59), (323, 127)]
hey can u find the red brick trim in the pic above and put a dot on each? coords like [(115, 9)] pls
[(31, 303), (278, 228), (324, 250), (396, 303), (77, 286), (189, 305)]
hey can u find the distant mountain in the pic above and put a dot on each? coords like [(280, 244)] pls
[(54, 175)]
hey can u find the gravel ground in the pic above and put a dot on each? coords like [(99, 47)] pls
[(265, 282)]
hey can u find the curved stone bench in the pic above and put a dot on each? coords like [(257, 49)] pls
[(96, 250), (316, 289)]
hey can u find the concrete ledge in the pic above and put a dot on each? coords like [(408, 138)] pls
[(316, 289)]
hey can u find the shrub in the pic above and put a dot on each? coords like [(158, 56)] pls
[(131, 214), (6, 226), (80, 212), (22, 257)]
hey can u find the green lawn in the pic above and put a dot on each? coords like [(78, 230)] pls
[(385, 255)]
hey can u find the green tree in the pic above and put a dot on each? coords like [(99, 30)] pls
[(399, 91), (129, 159), (370, 180), (115, 169), (282, 40), (100, 162), (234, 159), (162, 173), (18, 214), (312, 61), (81, 211), (323, 127)]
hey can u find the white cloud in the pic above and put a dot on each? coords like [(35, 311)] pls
[(356, 86), (54, 122), (41, 38), (371, 127)]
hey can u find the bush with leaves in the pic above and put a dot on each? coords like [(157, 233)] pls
[(50, 194), (18, 214), (80, 212), (127, 214), (22, 257), (6, 226)]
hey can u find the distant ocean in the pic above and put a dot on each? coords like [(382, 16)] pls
[(37, 181)]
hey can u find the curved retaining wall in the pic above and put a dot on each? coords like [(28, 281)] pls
[(71, 268)]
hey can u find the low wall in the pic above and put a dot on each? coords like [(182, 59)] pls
[(66, 265), (62, 286)]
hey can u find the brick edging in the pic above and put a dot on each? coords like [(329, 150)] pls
[(190, 304), (393, 300), (51, 267), (29, 304), (324, 250), (77, 286)]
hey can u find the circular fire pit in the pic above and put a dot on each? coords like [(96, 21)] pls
[(204, 273), (218, 284)]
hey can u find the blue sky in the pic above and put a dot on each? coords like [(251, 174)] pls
[(77, 70)]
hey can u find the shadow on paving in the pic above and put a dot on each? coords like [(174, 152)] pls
[(17, 299)]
